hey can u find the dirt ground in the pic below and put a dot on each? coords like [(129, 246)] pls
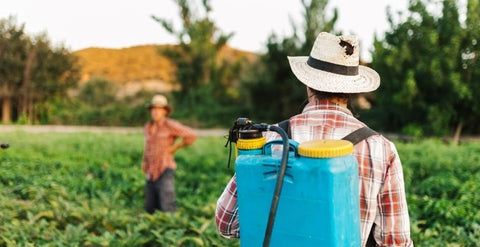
[(73, 129), (200, 132)]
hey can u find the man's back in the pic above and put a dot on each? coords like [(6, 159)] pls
[(382, 196)]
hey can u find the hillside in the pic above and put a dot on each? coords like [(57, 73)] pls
[(138, 67), (127, 64)]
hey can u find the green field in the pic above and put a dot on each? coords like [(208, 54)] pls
[(86, 189)]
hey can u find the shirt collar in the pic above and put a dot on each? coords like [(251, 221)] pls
[(325, 104)]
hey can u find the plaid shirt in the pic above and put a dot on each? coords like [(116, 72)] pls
[(383, 204), (158, 139)]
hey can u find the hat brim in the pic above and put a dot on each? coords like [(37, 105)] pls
[(367, 79), (167, 107)]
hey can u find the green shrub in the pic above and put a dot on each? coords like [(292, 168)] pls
[(443, 192)]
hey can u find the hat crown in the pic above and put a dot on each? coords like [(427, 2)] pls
[(341, 50), (159, 101), (333, 66)]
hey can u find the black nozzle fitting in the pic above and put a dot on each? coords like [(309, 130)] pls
[(4, 145), (242, 122), (249, 134)]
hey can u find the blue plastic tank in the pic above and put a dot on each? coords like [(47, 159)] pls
[(319, 201)]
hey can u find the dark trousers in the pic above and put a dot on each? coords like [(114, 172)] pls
[(160, 194)]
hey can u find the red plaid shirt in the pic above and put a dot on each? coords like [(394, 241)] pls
[(158, 139), (382, 195)]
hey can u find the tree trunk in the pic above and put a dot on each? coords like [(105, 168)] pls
[(458, 131), (26, 95), (30, 113), (6, 99), (6, 110)]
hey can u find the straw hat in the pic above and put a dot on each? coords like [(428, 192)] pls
[(160, 101), (333, 66)]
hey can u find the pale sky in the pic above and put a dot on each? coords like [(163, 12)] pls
[(122, 23)]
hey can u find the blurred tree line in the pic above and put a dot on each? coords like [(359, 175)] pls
[(430, 71), (428, 62), (32, 72), (272, 86)]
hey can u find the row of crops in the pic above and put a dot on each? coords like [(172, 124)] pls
[(86, 189)]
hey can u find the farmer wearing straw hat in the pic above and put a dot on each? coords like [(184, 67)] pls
[(332, 75), (161, 143)]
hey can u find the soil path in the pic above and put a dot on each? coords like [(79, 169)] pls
[(73, 129), (200, 132)]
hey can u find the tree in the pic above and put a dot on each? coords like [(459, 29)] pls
[(200, 40), (425, 89), (32, 72), (271, 80), (469, 110), (56, 72), (97, 92), (207, 69), (12, 54)]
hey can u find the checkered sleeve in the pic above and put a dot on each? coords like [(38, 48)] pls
[(393, 218), (226, 214), (179, 130)]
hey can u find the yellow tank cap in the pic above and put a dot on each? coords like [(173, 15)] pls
[(325, 148), (248, 144)]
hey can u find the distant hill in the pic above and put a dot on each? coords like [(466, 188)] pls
[(135, 63), (138, 67)]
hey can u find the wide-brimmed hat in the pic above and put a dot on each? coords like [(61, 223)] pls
[(160, 101), (333, 66)]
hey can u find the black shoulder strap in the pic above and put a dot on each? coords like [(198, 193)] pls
[(359, 135), (371, 240), (354, 137), (285, 125)]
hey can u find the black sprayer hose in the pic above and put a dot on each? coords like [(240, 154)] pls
[(278, 186)]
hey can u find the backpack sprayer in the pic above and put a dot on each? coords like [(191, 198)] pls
[(246, 130), (318, 181)]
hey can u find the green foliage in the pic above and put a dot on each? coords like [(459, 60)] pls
[(86, 189), (200, 41), (208, 111), (97, 92), (272, 91), (427, 64), (97, 104), (413, 130), (199, 66), (32, 72), (442, 192), (12, 42)]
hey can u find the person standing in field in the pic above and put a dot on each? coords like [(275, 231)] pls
[(332, 76), (163, 138)]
